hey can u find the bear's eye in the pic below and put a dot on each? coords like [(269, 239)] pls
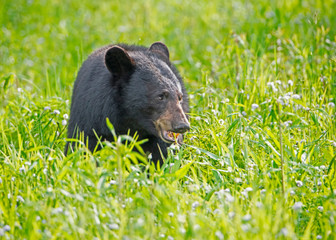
[(163, 95), (180, 98)]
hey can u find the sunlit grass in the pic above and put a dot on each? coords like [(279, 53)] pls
[(251, 69)]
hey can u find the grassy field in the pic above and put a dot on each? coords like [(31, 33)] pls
[(258, 163)]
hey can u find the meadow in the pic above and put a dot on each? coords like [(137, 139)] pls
[(258, 163)]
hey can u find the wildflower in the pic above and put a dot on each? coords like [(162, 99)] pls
[(290, 82), (197, 118), (195, 205), (171, 214), (231, 214), (170, 238), (6, 228), (64, 122), (19, 198), (247, 217), (245, 227), (13, 179), (244, 113), (113, 226), (219, 234), (56, 112), (284, 231), (22, 169), (296, 96), (0, 180), (20, 90), (318, 237), (161, 235), (304, 157), (217, 211), (2, 232), (292, 192), (238, 180), (221, 121), (320, 208), (229, 197), (331, 105), (65, 116), (288, 123), (254, 106), (45, 171), (299, 183), (182, 230), (297, 206)]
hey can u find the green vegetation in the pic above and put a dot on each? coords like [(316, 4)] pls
[(259, 162)]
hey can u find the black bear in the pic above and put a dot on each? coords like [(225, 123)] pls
[(138, 89)]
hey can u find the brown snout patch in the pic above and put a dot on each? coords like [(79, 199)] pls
[(173, 115)]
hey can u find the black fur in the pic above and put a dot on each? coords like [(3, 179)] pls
[(122, 82)]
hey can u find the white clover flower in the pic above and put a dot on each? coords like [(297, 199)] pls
[(219, 234), (6, 228), (288, 123), (19, 198), (299, 183), (304, 157), (296, 96), (161, 235), (331, 105), (113, 226), (66, 116), (284, 231), (280, 100), (229, 197), (231, 214), (217, 211), (22, 169), (64, 122), (238, 180), (290, 82), (246, 227), (254, 106), (171, 214), (56, 112), (320, 208), (247, 217), (195, 204), (182, 230), (297, 206)]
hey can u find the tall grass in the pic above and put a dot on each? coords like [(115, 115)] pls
[(258, 163)]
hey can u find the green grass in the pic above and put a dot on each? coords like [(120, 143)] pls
[(258, 163)]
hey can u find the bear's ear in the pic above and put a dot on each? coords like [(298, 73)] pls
[(118, 62), (160, 48)]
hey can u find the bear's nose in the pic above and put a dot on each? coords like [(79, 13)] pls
[(181, 127)]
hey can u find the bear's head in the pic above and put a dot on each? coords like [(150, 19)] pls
[(152, 97)]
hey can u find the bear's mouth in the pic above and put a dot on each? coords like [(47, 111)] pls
[(171, 137)]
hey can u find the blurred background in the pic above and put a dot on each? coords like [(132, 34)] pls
[(44, 42)]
